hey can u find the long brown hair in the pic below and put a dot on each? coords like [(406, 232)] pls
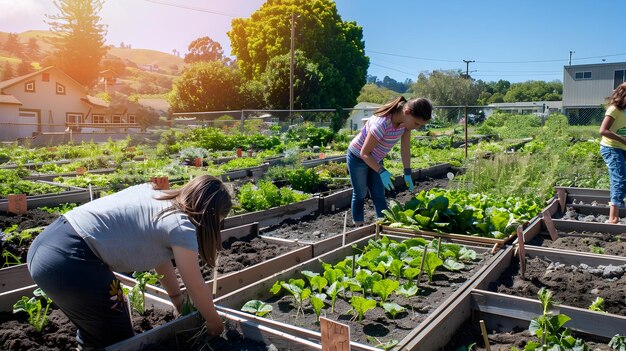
[(419, 107), (618, 97), (204, 200)]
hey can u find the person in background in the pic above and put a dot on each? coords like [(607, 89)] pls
[(391, 123), (136, 229), (613, 148)]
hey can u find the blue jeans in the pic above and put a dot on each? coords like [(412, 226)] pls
[(363, 178), (614, 159)]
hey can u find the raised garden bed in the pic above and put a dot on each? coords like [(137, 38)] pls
[(507, 315), (444, 288)]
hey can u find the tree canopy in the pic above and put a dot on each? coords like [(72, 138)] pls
[(206, 86), (204, 49), (336, 47), (79, 44)]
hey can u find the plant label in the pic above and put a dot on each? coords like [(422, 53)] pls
[(547, 220), (160, 183), (80, 171), (197, 162), (335, 336), (238, 152), (322, 155), (17, 204)]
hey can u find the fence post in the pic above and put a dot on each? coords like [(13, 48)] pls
[(242, 121)]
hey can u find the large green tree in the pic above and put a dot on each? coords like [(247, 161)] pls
[(446, 88), (79, 44), (335, 46), (534, 90), (204, 49), (206, 86)]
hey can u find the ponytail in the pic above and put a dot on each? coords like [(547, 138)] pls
[(390, 107)]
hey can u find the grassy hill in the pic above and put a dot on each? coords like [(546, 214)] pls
[(147, 56)]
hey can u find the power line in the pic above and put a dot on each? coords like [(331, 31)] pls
[(393, 69), (194, 8)]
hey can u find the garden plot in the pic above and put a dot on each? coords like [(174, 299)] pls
[(405, 312), (507, 314), (316, 226)]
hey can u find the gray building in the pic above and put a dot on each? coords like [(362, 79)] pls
[(586, 87)]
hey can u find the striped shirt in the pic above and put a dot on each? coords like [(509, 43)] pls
[(383, 131)]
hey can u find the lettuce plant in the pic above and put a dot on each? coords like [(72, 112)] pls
[(392, 308), (36, 317), (597, 305), (618, 343), (296, 287), (257, 307), (384, 288), (333, 290), (317, 301), (360, 306)]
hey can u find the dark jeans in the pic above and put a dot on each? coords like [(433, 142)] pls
[(363, 178), (81, 285)]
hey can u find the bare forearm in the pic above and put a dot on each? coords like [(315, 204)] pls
[(613, 136), (369, 160), (169, 280)]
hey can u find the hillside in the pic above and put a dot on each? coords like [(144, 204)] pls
[(136, 79)]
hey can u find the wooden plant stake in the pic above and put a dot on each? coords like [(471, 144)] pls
[(547, 219), (483, 330), (217, 259), (419, 276), (438, 246), (353, 263), (377, 231), (562, 197), (17, 204), (345, 224), (335, 336), (521, 250)]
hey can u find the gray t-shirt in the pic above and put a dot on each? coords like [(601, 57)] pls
[(123, 230)]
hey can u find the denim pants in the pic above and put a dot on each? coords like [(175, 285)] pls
[(614, 159), (81, 285), (363, 178)]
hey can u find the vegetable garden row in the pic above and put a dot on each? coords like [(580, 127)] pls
[(445, 257)]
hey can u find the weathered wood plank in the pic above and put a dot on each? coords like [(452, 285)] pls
[(579, 226), (275, 215), (15, 277)]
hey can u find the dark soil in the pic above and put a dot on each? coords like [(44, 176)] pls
[(377, 323), (60, 334), (469, 333), (601, 243), (572, 215), (245, 252), (319, 227), (16, 245), (195, 339), (576, 286)]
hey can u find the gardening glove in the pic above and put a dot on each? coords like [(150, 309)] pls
[(385, 176), (408, 179)]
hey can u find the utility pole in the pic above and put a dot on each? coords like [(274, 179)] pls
[(291, 66), (570, 57), (467, 62)]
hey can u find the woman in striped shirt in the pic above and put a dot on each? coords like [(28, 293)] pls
[(392, 122)]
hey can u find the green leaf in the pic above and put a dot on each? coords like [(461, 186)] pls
[(385, 287), (361, 305), (452, 265), (257, 307), (393, 308)]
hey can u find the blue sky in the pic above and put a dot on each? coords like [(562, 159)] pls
[(513, 40)]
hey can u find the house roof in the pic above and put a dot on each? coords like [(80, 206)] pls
[(11, 82), (366, 104), (94, 101), (160, 105), (9, 99)]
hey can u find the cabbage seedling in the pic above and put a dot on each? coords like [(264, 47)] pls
[(257, 307), (360, 305), (137, 295), (33, 307)]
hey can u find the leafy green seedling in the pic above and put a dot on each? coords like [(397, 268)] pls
[(367, 279), (597, 305), (395, 268), (431, 264), (317, 301), (187, 307), (137, 295), (453, 265), (393, 308), (409, 289), (382, 345), (384, 288), (596, 249), (618, 343), (333, 290), (257, 307), (360, 306), (33, 307), (299, 293)]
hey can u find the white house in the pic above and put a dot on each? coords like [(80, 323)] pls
[(360, 113)]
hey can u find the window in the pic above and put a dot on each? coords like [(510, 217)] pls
[(116, 119), (131, 119), (98, 119), (619, 78), (29, 87), (583, 75), (74, 118), (45, 77), (60, 89)]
